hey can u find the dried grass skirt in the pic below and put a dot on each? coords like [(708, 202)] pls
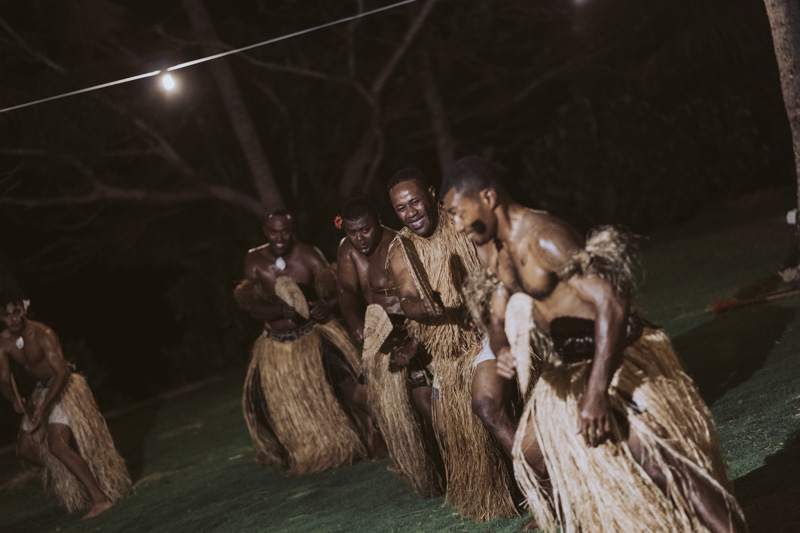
[(604, 489), (94, 445), (291, 410)]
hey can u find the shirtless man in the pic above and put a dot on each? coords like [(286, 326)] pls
[(467, 399), (538, 254), (282, 255), (35, 347), (284, 327), (362, 276)]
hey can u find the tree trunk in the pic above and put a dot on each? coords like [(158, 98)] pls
[(443, 135), (266, 186), (784, 19)]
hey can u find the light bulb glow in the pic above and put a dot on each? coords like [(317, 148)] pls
[(168, 82)]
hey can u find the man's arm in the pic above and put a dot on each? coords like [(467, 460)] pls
[(263, 307), (320, 309), (349, 288), (5, 383), (48, 342), (498, 341), (413, 306), (595, 416)]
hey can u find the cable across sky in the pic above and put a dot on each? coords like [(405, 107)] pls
[(211, 57)]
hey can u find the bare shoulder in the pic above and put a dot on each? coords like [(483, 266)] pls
[(5, 340), (549, 238), (257, 255), (346, 249), (383, 247)]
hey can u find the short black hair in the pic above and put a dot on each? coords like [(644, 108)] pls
[(469, 176), (281, 212), (356, 208), (408, 174), (11, 296)]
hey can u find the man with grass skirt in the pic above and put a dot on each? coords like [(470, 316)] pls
[(398, 381), (62, 431), (429, 262), (619, 428), (298, 396)]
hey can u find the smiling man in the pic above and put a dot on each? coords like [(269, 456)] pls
[(398, 380), (298, 398), (614, 421), (62, 430), (428, 262)]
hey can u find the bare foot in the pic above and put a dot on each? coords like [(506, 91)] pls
[(530, 525), (96, 509), (263, 459)]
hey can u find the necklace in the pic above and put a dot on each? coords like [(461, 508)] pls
[(280, 263), (20, 342)]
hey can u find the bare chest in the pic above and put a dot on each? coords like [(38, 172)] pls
[(522, 273), (30, 356)]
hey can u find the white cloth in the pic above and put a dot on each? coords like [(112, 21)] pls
[(57, 416), (486, 353)]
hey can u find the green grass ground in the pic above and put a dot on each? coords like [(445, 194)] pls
[(191, 459)]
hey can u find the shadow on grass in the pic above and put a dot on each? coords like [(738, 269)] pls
[(727, 350), (770, 494), (131, 433)]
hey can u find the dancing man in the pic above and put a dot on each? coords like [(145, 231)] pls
[(62, 430), (619, 428), (428, 262), (298, 397), (398, 380)]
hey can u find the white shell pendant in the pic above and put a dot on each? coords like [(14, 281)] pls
[(20, 342), (280, 264)]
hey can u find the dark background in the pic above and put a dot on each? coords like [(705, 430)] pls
[(642, 113)]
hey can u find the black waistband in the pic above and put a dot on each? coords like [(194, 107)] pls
[(289, 335), (573, 338)]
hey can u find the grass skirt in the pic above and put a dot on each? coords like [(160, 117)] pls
[(478, 484), (94, 444), (604, 489), (391, 406), (291, 409)]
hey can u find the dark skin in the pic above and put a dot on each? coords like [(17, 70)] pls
[(532, 246), (361, 264), (41, 358), (362, 276), (303, 263), (417, 208)]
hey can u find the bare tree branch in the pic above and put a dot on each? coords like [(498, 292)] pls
[(39, 56)]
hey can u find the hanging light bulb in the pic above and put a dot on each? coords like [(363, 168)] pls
[(168, 82)]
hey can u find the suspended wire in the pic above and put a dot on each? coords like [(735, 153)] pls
[(212, 57)]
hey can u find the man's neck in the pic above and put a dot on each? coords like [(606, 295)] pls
[(505, 226)]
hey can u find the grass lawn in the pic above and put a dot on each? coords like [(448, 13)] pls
[(192, 463)]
